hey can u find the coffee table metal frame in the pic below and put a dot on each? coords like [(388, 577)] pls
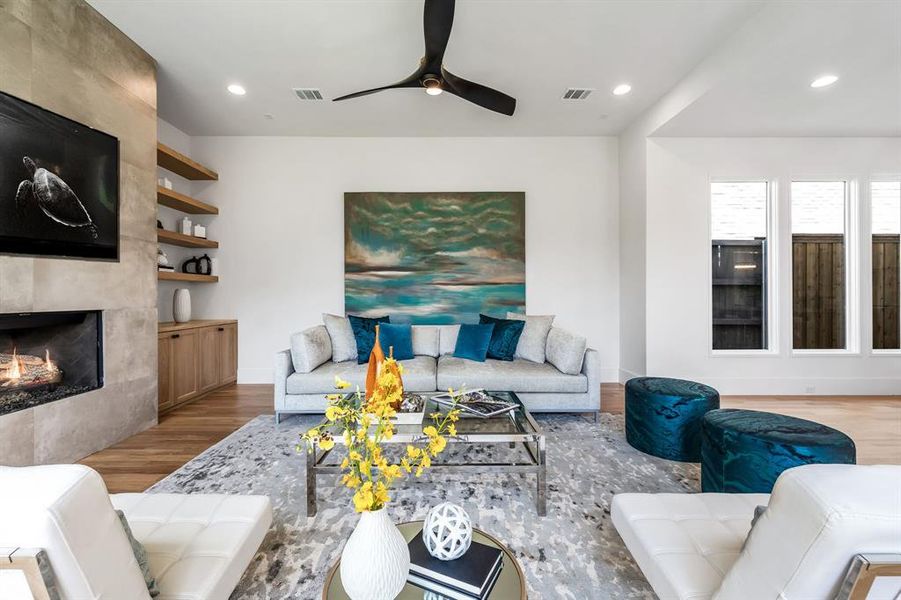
[(508, 555), (517, 427)]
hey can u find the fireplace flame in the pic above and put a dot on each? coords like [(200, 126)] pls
[(18, 370), (15, 371)]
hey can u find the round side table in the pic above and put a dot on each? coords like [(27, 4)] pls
[(511, 583)]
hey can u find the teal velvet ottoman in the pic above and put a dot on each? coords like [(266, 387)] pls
[(744, 451), (663, 416)]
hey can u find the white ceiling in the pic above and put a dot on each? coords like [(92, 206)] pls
[(530, 49), (767, 92)]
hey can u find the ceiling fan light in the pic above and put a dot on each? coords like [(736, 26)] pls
[(432, 85), (434, 90)]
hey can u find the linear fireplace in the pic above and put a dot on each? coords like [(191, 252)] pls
[(48, 356)]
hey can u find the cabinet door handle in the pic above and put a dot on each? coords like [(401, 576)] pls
[(222, 329), (175, 335)]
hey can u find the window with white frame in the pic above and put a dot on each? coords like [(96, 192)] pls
[(885, 209), (819, 264), (739, 233)]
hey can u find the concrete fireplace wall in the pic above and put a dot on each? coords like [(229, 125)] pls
[(65, 57)]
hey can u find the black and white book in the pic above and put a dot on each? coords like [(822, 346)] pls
[(472, 574), (476, 402), (449, 592)]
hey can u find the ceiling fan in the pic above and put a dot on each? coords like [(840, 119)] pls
[(438, 18)]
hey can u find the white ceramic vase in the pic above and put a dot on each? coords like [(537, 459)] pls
[(181, 305), (375, 560)]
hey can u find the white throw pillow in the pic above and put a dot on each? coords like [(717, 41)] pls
[(533, 341), (341, 334), (566, 350), (310, 348), (425, 340)]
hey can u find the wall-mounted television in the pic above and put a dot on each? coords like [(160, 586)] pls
[(59, 185)]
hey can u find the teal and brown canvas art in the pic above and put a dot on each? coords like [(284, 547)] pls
[(434, 257)]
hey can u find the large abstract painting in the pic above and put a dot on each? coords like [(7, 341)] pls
[(435, 257)]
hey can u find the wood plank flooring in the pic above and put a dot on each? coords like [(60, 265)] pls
[(873, 422)]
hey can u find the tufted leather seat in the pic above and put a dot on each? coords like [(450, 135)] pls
[(199, 544), (819, 517), (685, 543)]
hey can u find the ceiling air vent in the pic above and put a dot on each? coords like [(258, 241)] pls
[(577, 93), (308, 93)]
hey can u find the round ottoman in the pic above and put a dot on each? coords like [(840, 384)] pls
[(744, 451), (663, 416)]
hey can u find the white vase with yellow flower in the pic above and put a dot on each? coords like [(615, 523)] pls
[(375, 560)]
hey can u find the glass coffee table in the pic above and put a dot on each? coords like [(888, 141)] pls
[(511, 583), (516, 428)]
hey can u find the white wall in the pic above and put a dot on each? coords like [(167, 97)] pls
[(281, 226), (678, 259)]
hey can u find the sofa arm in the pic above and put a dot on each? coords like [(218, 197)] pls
[(283, 368), (591, 368)]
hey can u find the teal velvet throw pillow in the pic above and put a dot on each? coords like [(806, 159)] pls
[(504, 337), (399, 337), (364, 333), (473, 341)]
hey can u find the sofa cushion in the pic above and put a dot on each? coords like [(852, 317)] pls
[(341, 334), (473, 341), (425, 340), (364, 333), (533, 341), (447, 338), (199, 544), (504, 338), (685, 543), (310, 348), (396, 341), (499, 375), (419, 376), (566, 350)]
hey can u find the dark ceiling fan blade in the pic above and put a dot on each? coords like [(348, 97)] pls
[(437, 20), (411, 81), (478, 94)]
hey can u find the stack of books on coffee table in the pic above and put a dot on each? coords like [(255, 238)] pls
[(470, 577)]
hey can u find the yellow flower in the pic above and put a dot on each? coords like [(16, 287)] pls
[(345, 463), (332, 413), (364, 498), (340, 383), (430, 431), (418, 471), (413, 451), (426, 461), (437, 445), (355, 456), (333, 397), (326, 442), (452, 429), (351, 480)]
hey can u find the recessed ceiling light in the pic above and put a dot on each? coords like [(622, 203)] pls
[(622, 89), (237, 90), (823, 81)]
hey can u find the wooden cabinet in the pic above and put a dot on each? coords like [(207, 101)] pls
[(195, 358)]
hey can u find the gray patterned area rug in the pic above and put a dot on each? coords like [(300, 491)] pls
[(572, 553)]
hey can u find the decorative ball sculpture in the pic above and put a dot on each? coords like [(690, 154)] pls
[(447, 531)]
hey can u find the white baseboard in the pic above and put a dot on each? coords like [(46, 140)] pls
[(797, 386)]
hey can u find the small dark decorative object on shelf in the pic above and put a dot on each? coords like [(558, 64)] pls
[(411, 403), (198, 266)]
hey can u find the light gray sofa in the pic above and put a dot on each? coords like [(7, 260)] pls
[(540, 386)]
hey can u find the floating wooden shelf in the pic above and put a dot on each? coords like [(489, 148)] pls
[(175, 276), (180, 164), (187, 241), (184, 203)]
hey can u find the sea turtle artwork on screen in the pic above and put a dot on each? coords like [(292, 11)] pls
[(54, 197)]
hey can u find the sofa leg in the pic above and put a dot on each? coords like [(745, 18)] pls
[(278, 417), (597, 417)]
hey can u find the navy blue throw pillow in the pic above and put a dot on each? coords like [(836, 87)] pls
[(364, 332), (504, 338), (473, 340), (399, 337)]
